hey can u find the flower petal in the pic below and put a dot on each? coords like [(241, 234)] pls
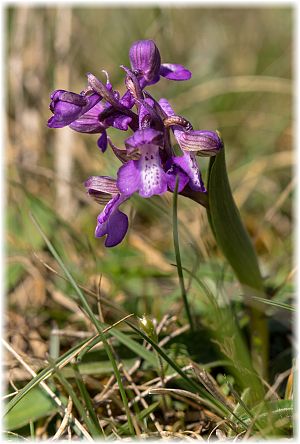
[(128, 181), (153, 177), (117, 227), (172, 174), (68, 106), (146, 136), (127, 100), (173, 71), (121, 122), (165, 105), (145, 57), (102, 142), (188, 163), (101, 188), (89, 122), (205, 143), (112, 222)]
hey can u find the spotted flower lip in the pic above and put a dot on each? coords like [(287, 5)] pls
[(68, 107), (145, 60), (145, 175)]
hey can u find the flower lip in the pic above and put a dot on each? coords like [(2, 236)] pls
[(112, 222)]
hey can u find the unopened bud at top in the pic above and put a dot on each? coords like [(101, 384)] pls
[(145, 58)]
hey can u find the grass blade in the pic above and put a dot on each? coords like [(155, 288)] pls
[(92, 317), (178, 257)]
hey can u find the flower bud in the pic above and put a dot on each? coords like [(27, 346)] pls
[(147, 325), (145, 58)]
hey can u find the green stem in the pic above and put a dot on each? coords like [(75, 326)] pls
[(178, 257), (259, 339)]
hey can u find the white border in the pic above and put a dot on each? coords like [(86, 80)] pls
[(145, 3)]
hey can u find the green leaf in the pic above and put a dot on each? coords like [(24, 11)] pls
[(35, 404), (275, 304), (274, 415), (228, 229)]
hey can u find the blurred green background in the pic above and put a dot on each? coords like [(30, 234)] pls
[(241, 60)]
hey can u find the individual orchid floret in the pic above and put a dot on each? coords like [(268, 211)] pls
[(68, 107), (145, 60), (146, 174), (111, 221), (202, 142)]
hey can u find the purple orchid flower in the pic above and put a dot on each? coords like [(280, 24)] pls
[(145, 60), (111, 221), (192, 143), (149, 165), (68, 107), (146, 174), (88, 113)]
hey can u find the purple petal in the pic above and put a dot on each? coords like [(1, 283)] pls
[(172, 174), (165, 105), (68, 107), (65, 113), (188, 164), (120, 122), (89, 122), (152, 177), (145, 57), (205, 143), (144, 111), (102, 142), (112, 222), (173, 71), (144, 137), (128, 181), (127, 100), (116, 227)]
